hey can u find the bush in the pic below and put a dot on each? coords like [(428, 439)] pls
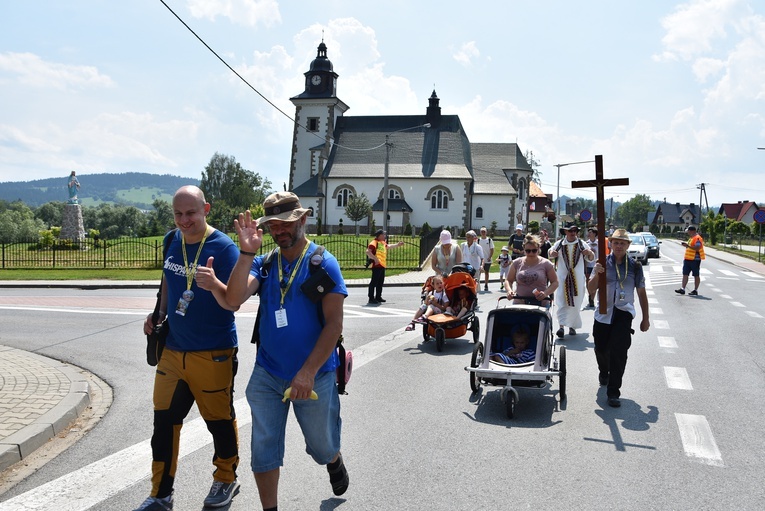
[(56, 231), (340, 228), (46, 239), (408, 230), (425, 229), (318, 226)]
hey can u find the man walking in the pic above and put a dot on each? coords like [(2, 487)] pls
[(515, 244), (487, 245), (612, 331), (377, 251), (571, 253), (472, 253), (694, 254), (199, 360), (301, 302)]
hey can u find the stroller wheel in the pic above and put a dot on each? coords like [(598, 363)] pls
[(510, 404), (475, 361), (440, 338), (475, 327), (562, 376)]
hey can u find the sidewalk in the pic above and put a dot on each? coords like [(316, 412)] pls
[(39, 396)]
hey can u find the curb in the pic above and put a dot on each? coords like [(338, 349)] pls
[(22, 443)]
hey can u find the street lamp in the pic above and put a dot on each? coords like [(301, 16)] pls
[(557, 193), (388, 145)]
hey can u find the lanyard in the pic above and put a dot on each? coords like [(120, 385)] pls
[(189, 273), (284, 289), (619, 278)]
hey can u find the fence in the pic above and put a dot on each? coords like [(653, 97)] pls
[(350, 252)]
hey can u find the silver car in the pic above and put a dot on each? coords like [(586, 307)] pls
[(638, 250), (652, 243)]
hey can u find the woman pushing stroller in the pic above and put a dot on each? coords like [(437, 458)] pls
[(534, 276)]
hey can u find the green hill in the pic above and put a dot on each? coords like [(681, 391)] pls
[(137, 189)]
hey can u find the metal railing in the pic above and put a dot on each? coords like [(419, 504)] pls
[(350, 252)]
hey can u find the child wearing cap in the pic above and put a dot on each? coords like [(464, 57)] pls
[(504, 266)]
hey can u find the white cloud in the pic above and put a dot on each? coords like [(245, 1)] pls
[(242, 12), (31, 70), (467, 53)]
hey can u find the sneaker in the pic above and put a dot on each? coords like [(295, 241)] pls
[(693, 293), (338, 477), (485, 287), (680, 291), (155, 504), (381, 300), (221, 493), (614, 402), (560, 333), (571, 331)]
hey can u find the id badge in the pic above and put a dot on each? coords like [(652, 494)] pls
[(281, 318), (182, 307), (621, 297)]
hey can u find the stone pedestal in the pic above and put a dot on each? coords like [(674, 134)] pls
[(72, 227)]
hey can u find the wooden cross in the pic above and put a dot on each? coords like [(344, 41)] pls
[(599, 183)]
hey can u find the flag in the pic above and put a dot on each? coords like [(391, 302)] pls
[(532, 206)]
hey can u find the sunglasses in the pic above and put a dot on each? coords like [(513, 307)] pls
[(531, 250)]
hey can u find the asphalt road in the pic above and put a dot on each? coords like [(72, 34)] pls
[(415, 437)]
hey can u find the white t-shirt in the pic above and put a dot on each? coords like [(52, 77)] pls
[(487, 245), (472, 254)]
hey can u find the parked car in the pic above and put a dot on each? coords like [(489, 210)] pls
[(652, 244), (638, 249)]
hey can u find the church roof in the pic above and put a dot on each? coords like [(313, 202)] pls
[(359, 150), (490, 160)]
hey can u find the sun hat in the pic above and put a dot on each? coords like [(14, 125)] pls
[(519, 227), (284, 206), (446, 237), (504, 249), (571, 226), (620, 234)]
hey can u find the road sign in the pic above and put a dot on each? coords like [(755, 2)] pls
[(585, 215), (759, 216)]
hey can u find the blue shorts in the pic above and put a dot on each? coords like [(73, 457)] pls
[(319, 420), (691, 266)]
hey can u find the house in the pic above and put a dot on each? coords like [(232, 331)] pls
[(425, 163), (743, 211), (676, 216)]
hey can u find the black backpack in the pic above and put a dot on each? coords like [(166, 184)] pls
[(344, 369)]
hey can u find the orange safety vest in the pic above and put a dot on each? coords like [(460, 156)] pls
[(690, 253)]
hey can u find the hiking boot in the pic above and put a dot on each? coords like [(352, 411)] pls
[(680, 291), (221, 493), (155, 504)]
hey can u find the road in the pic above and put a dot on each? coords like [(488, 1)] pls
[(414, 437)]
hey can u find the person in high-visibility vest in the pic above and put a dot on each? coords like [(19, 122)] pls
[(694, 254)]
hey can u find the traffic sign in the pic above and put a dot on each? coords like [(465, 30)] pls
[(585, 215), (759, 216)]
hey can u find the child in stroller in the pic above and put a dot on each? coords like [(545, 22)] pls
[(435, 301), (462, 303), (519, 352)]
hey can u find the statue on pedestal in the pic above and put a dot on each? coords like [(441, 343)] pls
[(73, 185)]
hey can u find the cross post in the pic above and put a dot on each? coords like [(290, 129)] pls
[(599, 183)]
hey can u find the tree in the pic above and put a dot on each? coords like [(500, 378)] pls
[(358, 208), (51, 213), (633, 213), (161, 219), (231, 189), (536, 175)]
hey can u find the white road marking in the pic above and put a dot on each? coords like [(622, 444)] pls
[(655, 310), (76, 310), (667, 342), (751, 274), (653, 300), (727, 297), (737, 304), (697, 438), (728, 273), (677, 378), (753, 314), (661, 324), (74, 491)]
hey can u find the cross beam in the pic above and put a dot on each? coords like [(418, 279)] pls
[(599, 183)]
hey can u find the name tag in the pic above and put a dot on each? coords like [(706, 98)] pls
[(281, 318)]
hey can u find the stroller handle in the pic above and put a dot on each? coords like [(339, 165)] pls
[(528, 300)]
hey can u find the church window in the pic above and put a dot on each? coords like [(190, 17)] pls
[(313, 124), (393, 194), (342, 197), (439, 200), (479, 212)]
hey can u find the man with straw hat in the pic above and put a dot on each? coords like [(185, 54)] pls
[(612, 331)]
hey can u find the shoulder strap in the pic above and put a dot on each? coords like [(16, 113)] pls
[(165, 247)]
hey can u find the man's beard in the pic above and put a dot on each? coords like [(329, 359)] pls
[(289, 240)]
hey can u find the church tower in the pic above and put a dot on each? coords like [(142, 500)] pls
[(316, 112)]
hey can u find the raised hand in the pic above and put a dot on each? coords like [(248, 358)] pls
[(250, 236)]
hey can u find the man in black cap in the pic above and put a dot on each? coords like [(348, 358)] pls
[(377, 251)]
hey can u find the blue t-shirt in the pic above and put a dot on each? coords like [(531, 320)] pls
[(283, 351), (206, 325), (628, 278)]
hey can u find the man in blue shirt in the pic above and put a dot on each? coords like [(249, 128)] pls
[(297, 342), (199, 360), (612, 331)]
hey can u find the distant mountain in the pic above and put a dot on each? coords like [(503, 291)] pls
[(137, 189)]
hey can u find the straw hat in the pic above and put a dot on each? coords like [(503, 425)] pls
[(620, 234)]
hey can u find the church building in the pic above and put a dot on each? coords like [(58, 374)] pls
[(426, 163)]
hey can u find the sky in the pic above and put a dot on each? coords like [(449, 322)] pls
[(671, 94)]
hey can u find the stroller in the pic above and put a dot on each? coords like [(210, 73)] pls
[(501, 321), (444, 326)]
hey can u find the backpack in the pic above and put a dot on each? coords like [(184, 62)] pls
[(345, 357)]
